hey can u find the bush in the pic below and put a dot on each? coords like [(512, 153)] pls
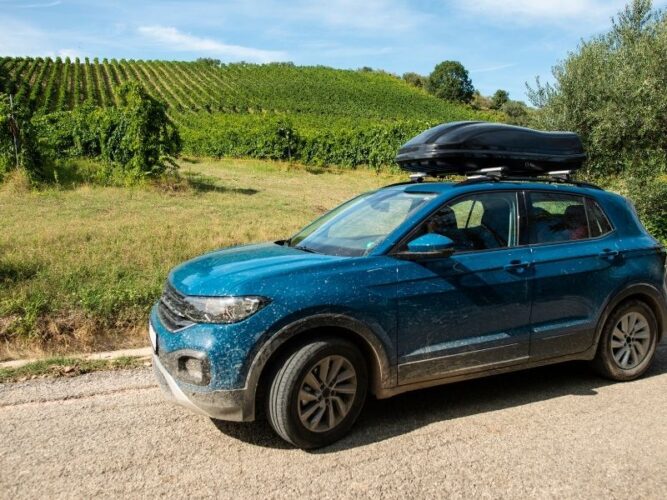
[(649, 196), (344, 143), (136, 140), (18, 141), (646, 189), (139, 137), (517, 113)]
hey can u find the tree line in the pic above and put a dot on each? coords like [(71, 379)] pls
[(450, 81)]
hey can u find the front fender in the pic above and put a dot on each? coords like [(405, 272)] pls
[(373, 336)]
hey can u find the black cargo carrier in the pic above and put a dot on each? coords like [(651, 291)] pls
[(470, 147)]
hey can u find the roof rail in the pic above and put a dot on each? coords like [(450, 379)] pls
[(497, 175)]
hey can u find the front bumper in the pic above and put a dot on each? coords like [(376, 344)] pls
[(233, 405)]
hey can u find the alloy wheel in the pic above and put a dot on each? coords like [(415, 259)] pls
[(630, 340), (327, 393)]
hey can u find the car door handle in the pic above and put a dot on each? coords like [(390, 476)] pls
[(517, 266), (609, 254)]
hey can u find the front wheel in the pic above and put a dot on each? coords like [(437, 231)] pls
[(628, 343), (317, 394)]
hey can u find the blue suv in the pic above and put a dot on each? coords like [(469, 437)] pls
[(411, 286)]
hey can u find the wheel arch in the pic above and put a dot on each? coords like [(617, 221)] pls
[(648, 294), (382, 371)]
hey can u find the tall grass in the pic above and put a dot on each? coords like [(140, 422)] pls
[(80, 266)]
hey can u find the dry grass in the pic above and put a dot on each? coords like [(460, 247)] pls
[(80, 267), (67, 367)]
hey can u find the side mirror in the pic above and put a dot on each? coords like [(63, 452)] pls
[(428, 246)]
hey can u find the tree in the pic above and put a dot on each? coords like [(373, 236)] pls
[(499, 98), (611, 91), (415, 79), (209, 61), (479, 101), (450, 81), (517, 112)]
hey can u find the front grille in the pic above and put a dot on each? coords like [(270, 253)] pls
[(171, 309)]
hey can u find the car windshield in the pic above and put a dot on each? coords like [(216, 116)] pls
[(356, 227)]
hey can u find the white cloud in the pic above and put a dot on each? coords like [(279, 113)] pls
[(43, 5), (596, 12), (184, 42), (489, 69)]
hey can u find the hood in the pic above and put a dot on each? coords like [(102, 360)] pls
[(241, 270)]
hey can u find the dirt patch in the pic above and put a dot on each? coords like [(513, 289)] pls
[(66, 333)]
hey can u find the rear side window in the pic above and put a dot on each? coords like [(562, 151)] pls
[(555, 217), (597, 220)]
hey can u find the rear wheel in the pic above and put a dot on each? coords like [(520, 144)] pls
[(628, 343), (317, 394)]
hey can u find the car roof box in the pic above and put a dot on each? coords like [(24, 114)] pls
[(469, 147)]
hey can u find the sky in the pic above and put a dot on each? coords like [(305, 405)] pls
[(502, 43)]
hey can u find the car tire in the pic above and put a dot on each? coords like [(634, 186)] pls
[(628, 342), (317, 393)]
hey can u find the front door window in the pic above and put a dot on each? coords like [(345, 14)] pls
[(477, 222)]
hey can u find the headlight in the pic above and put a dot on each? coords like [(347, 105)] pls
[(223, 309)]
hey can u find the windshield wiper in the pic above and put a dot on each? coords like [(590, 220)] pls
[(305, 249)]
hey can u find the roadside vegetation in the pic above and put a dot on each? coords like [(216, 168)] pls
[(81, 264), (66, 367)]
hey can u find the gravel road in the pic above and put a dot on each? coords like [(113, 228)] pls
[(549, 433)]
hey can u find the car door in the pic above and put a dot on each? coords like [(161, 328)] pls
[(576, 266), (470, 311)]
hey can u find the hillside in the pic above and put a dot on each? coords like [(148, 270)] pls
[(58, 85), (312, 114)]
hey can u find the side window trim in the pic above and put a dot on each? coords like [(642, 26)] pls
[(594, 203), (523, 228)]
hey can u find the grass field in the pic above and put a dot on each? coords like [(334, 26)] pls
[(80, 267)]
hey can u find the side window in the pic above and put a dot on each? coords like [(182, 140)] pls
[(477, 222), (554, 217), (597, 220)]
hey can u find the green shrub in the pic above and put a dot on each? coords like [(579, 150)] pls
[(645, 187), (139, 136), (136, 140), (18, 140), (306, 139), (649, 195)]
